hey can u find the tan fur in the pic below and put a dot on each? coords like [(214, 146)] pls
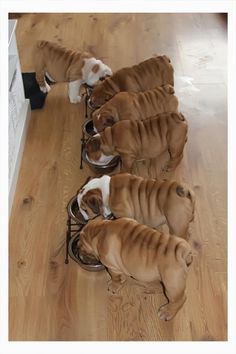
[(148, 74), (135, 106), (127, 248), (150, 202), (135, 140), (62, 64)]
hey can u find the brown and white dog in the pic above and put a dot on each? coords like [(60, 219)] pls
[(148, 201), (156, 71), (64, 65), (135, 106), (129, 249), (137, 140)]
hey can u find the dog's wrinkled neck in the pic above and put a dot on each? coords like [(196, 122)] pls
[(110, 87), (106, 142)]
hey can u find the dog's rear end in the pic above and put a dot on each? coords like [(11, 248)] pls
[(127, 248)]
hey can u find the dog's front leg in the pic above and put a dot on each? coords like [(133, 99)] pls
[(43, 85), (127, 162), (116, 282), (74, 88)]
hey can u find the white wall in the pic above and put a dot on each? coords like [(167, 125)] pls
[(18, 113)]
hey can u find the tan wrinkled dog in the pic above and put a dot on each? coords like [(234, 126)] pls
[(137, 140), (146, 75), (148, 201), (127, 248), (135, 106), (64, 65)]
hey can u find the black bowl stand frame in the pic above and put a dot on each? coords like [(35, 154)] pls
[(83, 140), (73, 228)]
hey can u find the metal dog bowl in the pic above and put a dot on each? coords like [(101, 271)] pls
[(87, 128), (101, 169), (74, 213), (74, 254)]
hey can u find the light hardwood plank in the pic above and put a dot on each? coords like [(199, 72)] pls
[(49, 300)]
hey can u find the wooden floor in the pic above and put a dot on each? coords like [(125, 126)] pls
[(53, 301)]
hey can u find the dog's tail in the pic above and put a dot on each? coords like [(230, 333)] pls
[(166, 58), (178, 117), (184, 191)]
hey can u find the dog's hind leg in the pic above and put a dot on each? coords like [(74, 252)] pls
[(174, 281), (116, 282), (176, 155), (40, 73), (127, 163), (177, 141)]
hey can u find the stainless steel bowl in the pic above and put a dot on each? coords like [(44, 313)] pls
[(87, 128), (74, 254), (101, 169), (74, 213)]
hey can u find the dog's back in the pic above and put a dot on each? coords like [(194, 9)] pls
[(135, 249), (145, 139), (57, 61), (146, 75), (152, 202)]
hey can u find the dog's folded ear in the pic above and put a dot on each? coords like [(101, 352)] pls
[(95, 68), (93, 145), (95, 203), (109, 121), (169, 89)]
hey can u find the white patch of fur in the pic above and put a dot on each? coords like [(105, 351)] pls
[(89, 76), (102, 183), (74, 87), (45, 88)]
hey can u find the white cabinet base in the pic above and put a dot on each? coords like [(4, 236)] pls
[(18, 113), (25, 113)]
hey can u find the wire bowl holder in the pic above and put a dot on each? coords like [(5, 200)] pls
[(75, 224)]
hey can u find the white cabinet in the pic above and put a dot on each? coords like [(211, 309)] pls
[(18, 111)]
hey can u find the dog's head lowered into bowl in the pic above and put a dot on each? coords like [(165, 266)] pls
[(96, 152), (80, 255), (88, 129), (104, 117), (93, 198), (98, 158)]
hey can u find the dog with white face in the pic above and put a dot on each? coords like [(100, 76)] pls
[(98, 157), (89, 205), (149, 201), (63, 65)]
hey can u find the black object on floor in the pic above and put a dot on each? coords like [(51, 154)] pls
[(32, 90)]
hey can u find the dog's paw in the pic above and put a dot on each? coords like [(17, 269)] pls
[(114, 287), (75, 100), (45, 89), (165, 312), (166, 168)]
